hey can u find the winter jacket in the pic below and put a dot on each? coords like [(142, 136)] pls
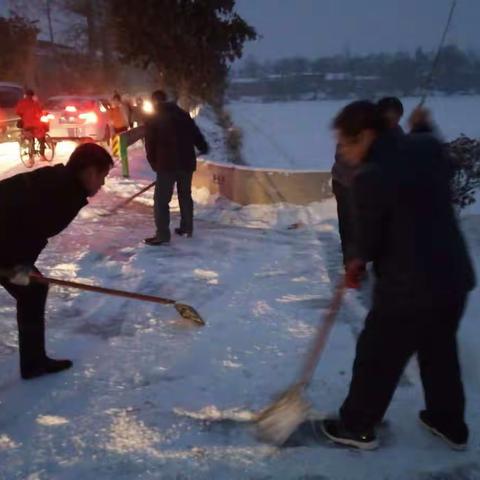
[(36, 206), (405, 222), (30, 111), (170, 140), (119, 117)]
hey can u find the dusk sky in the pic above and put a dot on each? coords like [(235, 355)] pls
[(317, 27)]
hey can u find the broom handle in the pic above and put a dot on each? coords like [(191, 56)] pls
[(107, 291), (125, 202), (428, 82), (322, 334)]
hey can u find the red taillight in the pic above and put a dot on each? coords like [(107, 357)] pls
[(71, 108), (47, 118), (89, 117)]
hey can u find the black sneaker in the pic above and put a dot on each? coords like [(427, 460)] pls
[(455, 435), (49, 366), (156, 242), (183, 233), (336, 431)]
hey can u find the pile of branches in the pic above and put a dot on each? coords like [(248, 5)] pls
[(465, 155)]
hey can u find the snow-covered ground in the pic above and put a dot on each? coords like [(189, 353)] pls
[(261, 277), (297, 135)]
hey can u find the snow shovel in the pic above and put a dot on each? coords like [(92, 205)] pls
[(23, 277), (128, 200), (279, 420)]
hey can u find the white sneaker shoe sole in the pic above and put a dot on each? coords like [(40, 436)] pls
[(373, 445), (459, 447)]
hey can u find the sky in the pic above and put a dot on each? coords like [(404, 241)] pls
[(314, 28)]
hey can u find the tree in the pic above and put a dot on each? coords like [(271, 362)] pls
[(190, 42), (19, 37)]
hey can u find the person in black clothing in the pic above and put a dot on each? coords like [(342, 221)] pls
[(36, 206), (391, 110), (406, 226), (170, 141), (342, 180)]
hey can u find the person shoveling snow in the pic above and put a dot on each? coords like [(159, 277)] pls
[(407, 227)]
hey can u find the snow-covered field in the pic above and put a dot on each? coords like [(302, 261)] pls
[(297, 135), (262, 288)]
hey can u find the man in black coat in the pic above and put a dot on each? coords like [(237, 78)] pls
[(391, 110), (406, 226), (34, 207), (170, 141)]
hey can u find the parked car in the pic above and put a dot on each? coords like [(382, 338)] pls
[(78, 118), (10, 94)]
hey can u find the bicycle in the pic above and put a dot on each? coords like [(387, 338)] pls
[(30, 149)]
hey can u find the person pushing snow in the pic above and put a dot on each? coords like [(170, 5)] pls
[(36, 206), (405, 225)]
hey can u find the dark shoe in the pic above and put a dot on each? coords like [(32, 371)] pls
[(455, 435), (336, 431), (49, 366), (183, 233), (155, 241)]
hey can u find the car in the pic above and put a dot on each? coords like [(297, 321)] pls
[(10, 94), (78, 118)]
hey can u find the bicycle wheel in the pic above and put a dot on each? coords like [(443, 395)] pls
[(49, 149), (27, 151)]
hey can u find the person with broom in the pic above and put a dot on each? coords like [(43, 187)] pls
[(36, 206), (406, 226)]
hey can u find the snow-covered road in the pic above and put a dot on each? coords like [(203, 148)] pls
[(261, 288)]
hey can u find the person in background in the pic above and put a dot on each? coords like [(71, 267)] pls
[(30, 112), (138, 113), (35, 207), (118, 114), (342, 180), (170, 141), (391, 109), (405, 225)]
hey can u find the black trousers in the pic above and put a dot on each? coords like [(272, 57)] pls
[(345, 218), (31, 302), (163, 195), (390, 337)]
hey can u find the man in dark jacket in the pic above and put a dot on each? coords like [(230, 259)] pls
[(391, 110), (170, 141), (36, 206), (406, 226)]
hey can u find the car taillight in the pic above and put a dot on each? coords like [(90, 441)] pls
[(89, 117), (47, 118), (71, 108)]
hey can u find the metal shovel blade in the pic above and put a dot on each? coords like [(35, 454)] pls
[(189, 313)]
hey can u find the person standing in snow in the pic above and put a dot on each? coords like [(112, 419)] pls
[(118, 115), (343, 174), (36, 206), (170, 140), (406, 226)]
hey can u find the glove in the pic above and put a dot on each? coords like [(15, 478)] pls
[(20, 276), (355, 273)]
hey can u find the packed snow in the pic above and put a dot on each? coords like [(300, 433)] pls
[(153, 396)]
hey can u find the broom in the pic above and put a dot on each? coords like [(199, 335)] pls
[(279, 420), (24, 277)]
